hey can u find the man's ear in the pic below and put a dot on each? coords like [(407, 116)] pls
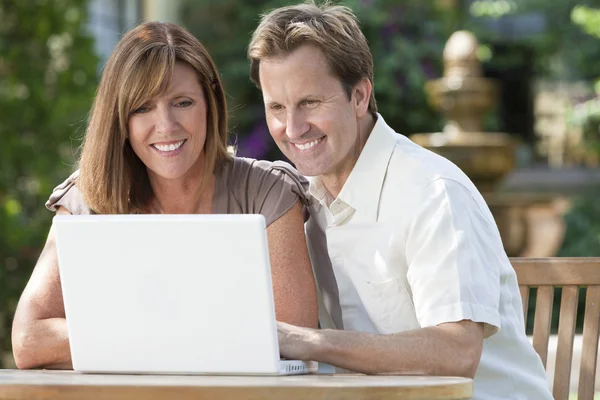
[(361, 96)]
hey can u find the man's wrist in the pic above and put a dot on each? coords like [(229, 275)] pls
[(317, 344)]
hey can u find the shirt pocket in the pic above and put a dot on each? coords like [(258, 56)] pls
[(389, 305)]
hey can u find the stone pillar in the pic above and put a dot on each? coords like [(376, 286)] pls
[(161, 10)]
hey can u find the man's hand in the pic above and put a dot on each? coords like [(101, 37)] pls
[(296, 343), (449, 349)]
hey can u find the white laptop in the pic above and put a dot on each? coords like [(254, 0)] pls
[(170, 294)]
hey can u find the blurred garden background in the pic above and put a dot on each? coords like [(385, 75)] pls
[(543, 55)]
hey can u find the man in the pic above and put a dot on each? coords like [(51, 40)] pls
[(410, 264)]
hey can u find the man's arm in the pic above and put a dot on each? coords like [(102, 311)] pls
[(39, 331), (453, 252), (450, 349)]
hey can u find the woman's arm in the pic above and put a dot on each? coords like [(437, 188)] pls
[(293, 280), (39, 331)]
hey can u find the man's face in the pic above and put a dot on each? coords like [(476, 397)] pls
[(309, 114)]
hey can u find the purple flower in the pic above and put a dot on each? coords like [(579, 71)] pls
[(428, 69), (257, 143), (400, 79)]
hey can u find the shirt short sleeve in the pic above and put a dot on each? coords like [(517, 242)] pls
[(454, 253), (68, 195), (269, 188)]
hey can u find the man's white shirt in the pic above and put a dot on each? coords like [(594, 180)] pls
[(409, 243)]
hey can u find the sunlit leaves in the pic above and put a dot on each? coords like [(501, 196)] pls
[(587, 18), (47, 82)]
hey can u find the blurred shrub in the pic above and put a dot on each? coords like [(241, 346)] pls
[(591, 133), (406, 39), (582, 236), (564, 44), (47, 82), (587, 18)]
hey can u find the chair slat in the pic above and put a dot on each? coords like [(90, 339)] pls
[(525, 298), (545, 274), (557, 271), (541, 325), (591, 328), (566, 334)]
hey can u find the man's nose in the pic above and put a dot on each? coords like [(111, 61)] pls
[(296, 125)]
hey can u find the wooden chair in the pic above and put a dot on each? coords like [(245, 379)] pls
[(570, 274)]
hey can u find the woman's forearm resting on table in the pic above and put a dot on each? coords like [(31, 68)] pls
[(42, 344), (452, 349), (39, 330)]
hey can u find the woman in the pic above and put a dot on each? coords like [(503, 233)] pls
[(157, 143)]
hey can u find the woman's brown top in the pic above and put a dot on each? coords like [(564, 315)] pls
[(242, 186)]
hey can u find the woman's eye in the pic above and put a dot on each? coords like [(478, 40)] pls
[(141, 110), (184, 103)]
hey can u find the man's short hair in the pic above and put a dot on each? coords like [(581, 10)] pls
[(333, 29)]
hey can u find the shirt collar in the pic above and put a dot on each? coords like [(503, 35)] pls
[(362, 189), (318, 191)]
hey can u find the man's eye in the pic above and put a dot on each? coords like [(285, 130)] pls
[(310, 102), (276, 107)]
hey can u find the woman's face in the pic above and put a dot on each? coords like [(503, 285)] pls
[(169, 131)]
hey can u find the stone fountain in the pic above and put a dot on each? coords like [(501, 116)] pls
[(530, 224)]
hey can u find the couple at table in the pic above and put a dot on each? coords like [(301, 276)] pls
[(389, 246)]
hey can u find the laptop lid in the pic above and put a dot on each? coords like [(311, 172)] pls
[(168, 293)]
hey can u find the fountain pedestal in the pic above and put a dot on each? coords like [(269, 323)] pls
[(530, 224)]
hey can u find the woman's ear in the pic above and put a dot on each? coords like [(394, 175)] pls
[(362, 96)]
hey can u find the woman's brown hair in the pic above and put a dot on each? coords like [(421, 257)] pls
[(113, 180)]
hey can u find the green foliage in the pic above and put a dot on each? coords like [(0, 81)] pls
[(406, 40), (47, 82), (585, 117), (582, 236), (591, 133), (587, 18), (563, 50)]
